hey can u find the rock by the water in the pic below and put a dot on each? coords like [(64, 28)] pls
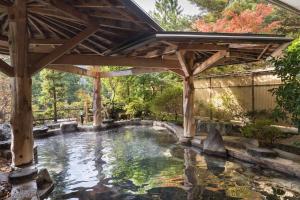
[(214, 143), (39, 130), (5, 132), (45, 183), (43, 178), (262, 152), (68, 127)]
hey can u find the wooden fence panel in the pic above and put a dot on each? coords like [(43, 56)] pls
[(247, 92)]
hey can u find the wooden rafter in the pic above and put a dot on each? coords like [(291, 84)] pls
[(59, 51), (210, 62), (6, 68)]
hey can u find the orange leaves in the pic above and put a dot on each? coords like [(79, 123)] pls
[(248, 21)]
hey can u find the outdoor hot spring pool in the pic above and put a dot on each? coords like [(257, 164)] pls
[(144, 163)]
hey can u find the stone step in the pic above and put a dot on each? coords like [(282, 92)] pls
[(23, 175)]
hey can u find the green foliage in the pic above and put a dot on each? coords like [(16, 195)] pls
[(137, 108), (288, 94), (168, 102), (168, 14), (53, 93), (262, 131)]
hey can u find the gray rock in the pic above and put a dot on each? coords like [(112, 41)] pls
[(214, 143), (261, 152), (5, 132), (40, 130), (43, 178), (68, 127)]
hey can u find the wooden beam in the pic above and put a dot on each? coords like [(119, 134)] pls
[(129, 72), (6, 68), (72, 69), (263, 52), (93, 60), (279, 51), (177, 71), (59, 51), (210, 62), (184, 65)]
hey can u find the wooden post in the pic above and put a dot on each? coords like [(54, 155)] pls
[(97, 102), (22, 118), (188, 107)]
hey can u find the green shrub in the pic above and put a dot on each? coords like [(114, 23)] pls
[(262, 131), (137, 108)]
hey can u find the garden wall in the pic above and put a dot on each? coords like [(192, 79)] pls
[(224, 95)]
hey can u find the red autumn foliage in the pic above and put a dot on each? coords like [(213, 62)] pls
[(248, 21)]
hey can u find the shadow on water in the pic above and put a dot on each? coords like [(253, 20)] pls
[(138, 163)]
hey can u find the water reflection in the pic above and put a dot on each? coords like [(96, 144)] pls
[(141, 163)]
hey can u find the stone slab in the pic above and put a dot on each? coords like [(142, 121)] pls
[(262, 152), (22, 175)]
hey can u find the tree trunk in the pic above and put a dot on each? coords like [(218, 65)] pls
[(22, 118), (97, 102), (188, 107)]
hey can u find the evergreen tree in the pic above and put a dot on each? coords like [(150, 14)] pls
[(168, 13), (53, 95)]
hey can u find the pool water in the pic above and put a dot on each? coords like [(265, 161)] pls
[(141, 163)]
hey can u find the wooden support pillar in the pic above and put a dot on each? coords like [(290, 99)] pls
[(186, 60), (188, 107), (97, 102), (22, 118)]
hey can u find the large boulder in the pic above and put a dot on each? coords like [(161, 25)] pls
[(214, 143), (5, 132), (68, 127)]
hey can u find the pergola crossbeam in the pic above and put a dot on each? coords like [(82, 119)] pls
[(93, 60), (72, 69)]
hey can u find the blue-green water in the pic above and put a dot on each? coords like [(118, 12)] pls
[(140, 163)]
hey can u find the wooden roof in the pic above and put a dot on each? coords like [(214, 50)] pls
[(52, 22), (64, 33), (241, 48)]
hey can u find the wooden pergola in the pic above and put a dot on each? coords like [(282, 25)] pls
[(64, 34)]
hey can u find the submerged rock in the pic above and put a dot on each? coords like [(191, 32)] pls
[(5, 132), (214, 143)]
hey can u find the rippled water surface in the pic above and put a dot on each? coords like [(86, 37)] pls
[(139, 163)]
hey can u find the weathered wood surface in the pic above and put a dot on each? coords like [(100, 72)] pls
[(97, 102), (21, 119)]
